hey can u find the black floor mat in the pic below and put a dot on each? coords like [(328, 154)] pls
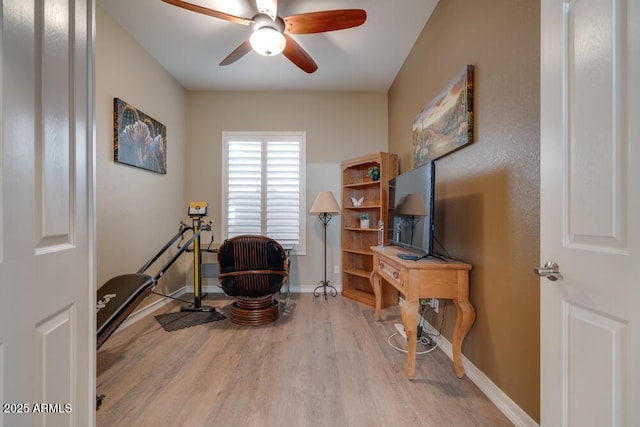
[(184, 319)]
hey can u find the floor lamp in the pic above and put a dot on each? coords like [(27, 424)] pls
[(325, 205)]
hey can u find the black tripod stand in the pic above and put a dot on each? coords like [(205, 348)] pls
[(325, 218)]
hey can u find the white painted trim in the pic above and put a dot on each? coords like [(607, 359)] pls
[(209, 289), (295, 289), (307, 289), (146, 311), (508, 407)]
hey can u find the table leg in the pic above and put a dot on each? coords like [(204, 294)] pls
[(466, 314), (374, 278), (409, 312)]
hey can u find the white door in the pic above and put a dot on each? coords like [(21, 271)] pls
[(47, 286), (590, 212)]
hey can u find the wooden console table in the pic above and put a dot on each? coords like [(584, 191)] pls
[(426, 278)]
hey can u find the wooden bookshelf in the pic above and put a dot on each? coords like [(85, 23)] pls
[(357, 257)]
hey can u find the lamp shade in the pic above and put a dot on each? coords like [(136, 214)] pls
[(267, 41), (412, 205), (325, 203)]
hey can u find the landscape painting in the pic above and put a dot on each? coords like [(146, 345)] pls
[(139, 140), (446, 124)]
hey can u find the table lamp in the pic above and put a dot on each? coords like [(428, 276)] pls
[(412, 207)]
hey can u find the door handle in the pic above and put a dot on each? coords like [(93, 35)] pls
[(550, 270)]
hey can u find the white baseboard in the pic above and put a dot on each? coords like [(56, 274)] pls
[(295, 289), (507, 406), (147, 310), (307, 289), (210, 289)]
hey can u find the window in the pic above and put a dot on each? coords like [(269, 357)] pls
[(263, 186)]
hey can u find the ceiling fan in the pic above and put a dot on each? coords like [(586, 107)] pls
[(270, 34)]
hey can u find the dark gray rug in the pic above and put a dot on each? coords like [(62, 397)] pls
[(185, 319)]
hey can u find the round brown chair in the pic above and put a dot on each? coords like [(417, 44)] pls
[(252, 269)]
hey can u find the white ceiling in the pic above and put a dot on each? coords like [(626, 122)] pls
[(190, 45)]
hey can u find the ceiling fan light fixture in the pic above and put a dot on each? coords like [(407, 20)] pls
[(270, 32), (267, 41)]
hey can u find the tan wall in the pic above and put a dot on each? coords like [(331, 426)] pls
[(137, 210), (338, 125), (487, 194)]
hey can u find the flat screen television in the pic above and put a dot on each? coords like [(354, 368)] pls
[(410, 215)]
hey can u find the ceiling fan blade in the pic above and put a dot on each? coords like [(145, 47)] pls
[(321, 22), (268, 7), (238, 53), (209, 12), (296, 54)]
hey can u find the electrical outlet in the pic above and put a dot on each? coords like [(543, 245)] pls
[(435, 304), (336, 269)]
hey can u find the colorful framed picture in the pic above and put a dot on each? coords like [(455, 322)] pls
[(446, 124), (139, 140)]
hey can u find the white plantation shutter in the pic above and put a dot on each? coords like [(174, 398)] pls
[(244, 188), (283, 191), (263, 186)]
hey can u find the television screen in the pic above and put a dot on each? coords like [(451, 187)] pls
[(410, 212)]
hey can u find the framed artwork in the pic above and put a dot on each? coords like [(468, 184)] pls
[(446, 124), (139, 140)]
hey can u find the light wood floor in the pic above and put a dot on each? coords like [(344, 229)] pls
[(323, 363)]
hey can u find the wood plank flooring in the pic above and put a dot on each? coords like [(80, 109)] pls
[(322, 363)]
